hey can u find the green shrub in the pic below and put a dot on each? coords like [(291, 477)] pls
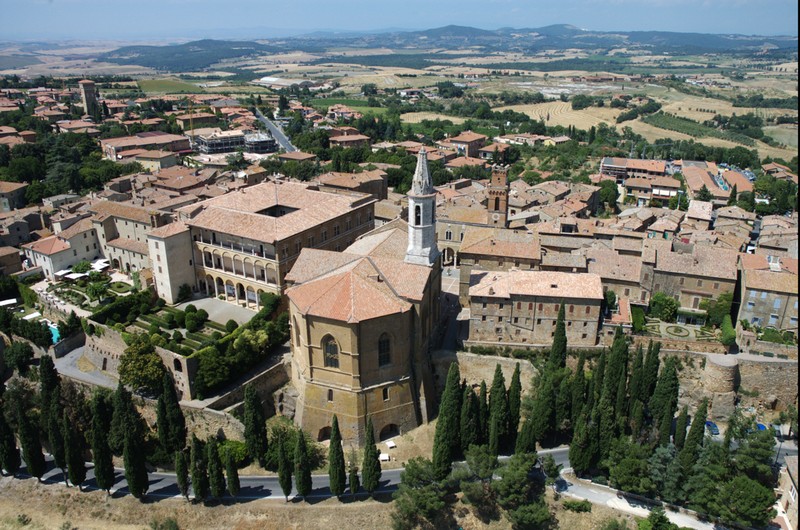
[(190, 309), (728, 333), (234, 449), (638, 319), (184, 292), (169, 320), (231, 325), (578, 506)]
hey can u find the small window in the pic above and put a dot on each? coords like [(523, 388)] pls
[(572, 309), (330, 395), (448, 235), (159, 269), (773, 319), (763, 294), (555, 307), (750, 305), (699, 283), (776, 304), (386, 394), (483, 318), (588, 309), (716, 286), (499, 306), (682, 280), (499, 319), (519, 305), (530, 306)]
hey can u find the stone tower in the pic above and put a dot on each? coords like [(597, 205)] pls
[(88, 96), (498, 197), (422, 249)]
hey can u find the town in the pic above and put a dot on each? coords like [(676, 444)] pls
[(263, 295)]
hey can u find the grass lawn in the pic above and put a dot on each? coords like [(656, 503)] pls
[(167, 86), (120, 287)]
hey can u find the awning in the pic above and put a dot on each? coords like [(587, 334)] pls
[(63, 272), (77, 275), (32, 316)]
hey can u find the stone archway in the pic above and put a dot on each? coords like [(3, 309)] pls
[(324, 434), (389, 431)]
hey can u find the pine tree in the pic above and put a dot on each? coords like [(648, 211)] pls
[(134, 459), (9, 452), (694, 439), (336, 470), (558, 351), (469, 420), (371, 467), (302, 469), (31, 444), (680, 427), (232, 476), (446, 441), (101, 452), (284, 468), (514, 404), (255, 429), (483, 415), (182, 473), (55, 432), (498, 413), (199, 470), (216, 479), (75, 447), (635, 385), (578, 389)]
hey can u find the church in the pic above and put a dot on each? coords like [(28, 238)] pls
[(361, 325)]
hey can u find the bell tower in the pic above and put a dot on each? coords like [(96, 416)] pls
[(422, 249), (498, 197)]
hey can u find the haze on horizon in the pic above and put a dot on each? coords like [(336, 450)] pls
[(54, 20)]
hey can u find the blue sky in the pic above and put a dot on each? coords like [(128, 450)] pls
[(172, 19)]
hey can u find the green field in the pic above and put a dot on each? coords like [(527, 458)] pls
[(168, 86), (783, 134), (357, 105)]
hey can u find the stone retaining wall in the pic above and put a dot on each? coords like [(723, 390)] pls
[(474, 368)]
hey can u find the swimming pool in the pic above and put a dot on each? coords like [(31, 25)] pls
[(54, 332)]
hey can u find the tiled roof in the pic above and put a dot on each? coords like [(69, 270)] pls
[(779, 282), (700, 210), (500, 242), (558, 285), (610, 265), (139, 247), (48, 246), (84, 225), (9, 187), (467, 137), (387, 241), (122, 211), (168, 230), (351, 180), (706, 262)]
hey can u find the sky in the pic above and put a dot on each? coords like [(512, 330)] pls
[(175, 19)]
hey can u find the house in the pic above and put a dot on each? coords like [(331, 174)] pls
[(198, 119), (10, 261), (624, 168), (468, 143), (113, 147), (297, 156), (557, 140), (495, 153), (465, 161), (521, 307), (63, 250), (702, 174), (12, 195), (350, 140), (768, 293), (156, 160), (370, 182), (788, 486)]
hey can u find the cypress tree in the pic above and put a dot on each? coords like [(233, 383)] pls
[(526, 441), (607, 426), (621, 407), (122, 405), (650, 371), (353, 479), (336, 471), (9, 452), (162, 424), (558, 351), (75, 447), (55, 432), (694, 439), (48, 385), (31, 444), (182, 473), (371, 468), (134, 459), (284, 468), (255, 429), (483, 415), (543, 413), (637, 418), (563, 406), (680, 427), (597, 378), (232, 476), (498, 413), (514, 404), (175, 418), (446, 441), (302, 469), (635, 385), (216, 479), (665, 399), (580, 457), (199, 470), (578, 389), (469, 420), (101, 452)]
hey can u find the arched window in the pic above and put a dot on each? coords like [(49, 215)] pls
[(417, 215), (496, 203), (330, 351), (448, 235), (384, 350)]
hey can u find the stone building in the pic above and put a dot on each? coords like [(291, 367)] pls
[(768, 291), (361, 325), (520, 308), (497, 206), (88, 92)]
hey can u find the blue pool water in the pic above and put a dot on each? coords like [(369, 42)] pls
[(55, 334)]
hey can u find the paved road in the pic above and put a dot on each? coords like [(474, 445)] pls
[(68, 365), (276, 132)]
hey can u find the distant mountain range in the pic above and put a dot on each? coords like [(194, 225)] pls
[(198, 55)]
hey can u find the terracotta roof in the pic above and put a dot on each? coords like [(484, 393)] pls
[(139, 247), (168, 230), (9, 187), (697, 177), (612, 266), (297, 155), (501, 243), (351, 180), (84, 225), (638, 182), (557, 285), (467, 137), (48, 246), (105, 209), (780, 282), (734, 178), (703, 261), (658, 166), (387, 241), (464, 161), (735, 212), (700, 210)]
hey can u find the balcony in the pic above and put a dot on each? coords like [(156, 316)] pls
[(237, 247)]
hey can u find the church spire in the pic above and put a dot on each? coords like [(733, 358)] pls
[(421, 184)]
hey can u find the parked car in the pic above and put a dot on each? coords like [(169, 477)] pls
[(712, 428)]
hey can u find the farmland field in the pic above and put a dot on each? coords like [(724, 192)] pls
[(785, 134), (418, 117), (167, 86)]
